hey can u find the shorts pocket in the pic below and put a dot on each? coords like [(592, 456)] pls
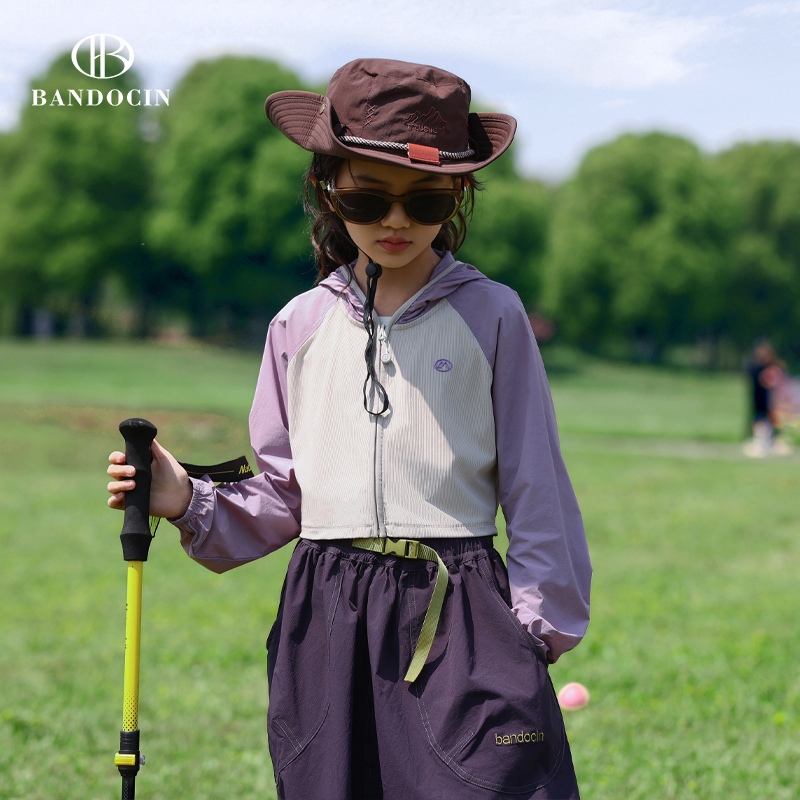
[(276, 625), (485, 570), (486, 702), (298, 666)]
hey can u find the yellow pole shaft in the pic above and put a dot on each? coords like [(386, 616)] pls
[(133, 637)]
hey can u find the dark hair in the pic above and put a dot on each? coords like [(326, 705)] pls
[(333, 245)]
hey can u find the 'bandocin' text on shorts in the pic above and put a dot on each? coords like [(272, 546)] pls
[(481, 721)]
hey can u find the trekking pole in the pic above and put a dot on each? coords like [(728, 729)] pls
[(136, 538)]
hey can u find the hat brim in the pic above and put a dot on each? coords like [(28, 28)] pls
[(305, 118)]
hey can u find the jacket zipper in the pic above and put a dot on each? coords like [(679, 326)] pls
[(384, 357)]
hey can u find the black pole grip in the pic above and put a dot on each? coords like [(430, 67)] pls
[(135, 536)]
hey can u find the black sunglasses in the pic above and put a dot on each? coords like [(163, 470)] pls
[(367, 206)]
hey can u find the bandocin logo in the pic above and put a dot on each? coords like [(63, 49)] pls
[(101, 56), (104, 63)]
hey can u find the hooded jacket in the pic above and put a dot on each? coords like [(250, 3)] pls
[(470, 425)]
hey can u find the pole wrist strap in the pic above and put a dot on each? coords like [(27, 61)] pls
[(228, 472)]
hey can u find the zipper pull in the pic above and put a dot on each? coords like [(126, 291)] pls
[(386, 356)]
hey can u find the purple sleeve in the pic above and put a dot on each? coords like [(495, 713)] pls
[(234, 523), (548, 558)]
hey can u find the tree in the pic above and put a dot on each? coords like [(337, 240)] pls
[(763, 293), (227, 204), (639, 246), (508, 234), (74, 193), (10, 289)]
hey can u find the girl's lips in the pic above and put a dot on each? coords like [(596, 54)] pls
[(393, 247)]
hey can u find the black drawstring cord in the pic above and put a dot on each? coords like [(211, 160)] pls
[(373, 271)]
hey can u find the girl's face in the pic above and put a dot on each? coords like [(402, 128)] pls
[(396, 240)]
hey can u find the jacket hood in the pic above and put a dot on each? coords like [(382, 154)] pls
[(447, 276)]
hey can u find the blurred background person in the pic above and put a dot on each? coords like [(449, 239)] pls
[(767, 376)]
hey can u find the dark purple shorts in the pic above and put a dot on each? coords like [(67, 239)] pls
[(481, 721)]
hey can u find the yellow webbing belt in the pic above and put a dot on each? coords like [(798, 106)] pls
[(409, 548)]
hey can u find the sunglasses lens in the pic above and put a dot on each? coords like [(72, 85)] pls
[(363, 207), (430, 209)]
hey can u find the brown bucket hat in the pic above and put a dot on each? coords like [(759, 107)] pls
[(394, 112)]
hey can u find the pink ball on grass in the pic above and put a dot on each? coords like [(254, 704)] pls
[(573, 696)]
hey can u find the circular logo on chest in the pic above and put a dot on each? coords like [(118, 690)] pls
[(443, 365)]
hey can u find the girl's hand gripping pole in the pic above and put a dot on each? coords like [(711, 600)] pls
[(136, 538)]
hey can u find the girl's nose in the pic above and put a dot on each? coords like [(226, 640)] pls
[(397, 217)]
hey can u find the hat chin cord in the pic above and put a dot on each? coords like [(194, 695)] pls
[(374, 272)]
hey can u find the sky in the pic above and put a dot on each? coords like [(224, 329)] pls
[(575, 73)]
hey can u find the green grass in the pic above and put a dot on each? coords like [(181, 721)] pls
[(596, 397), (126, 375), (692, 657)]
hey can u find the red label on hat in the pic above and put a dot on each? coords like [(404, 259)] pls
[(419, 152)]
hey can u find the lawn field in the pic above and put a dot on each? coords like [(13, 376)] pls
[(692, 657)]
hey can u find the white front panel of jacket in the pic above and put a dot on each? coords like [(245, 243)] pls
[(427, 467)]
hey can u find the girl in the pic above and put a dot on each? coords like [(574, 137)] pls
[(405, 661)]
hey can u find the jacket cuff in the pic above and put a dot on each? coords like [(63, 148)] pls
[(202, 498)]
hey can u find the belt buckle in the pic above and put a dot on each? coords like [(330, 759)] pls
[(405, 548)]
